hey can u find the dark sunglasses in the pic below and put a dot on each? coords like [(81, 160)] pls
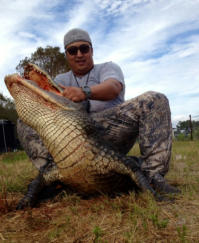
[(74, 49)]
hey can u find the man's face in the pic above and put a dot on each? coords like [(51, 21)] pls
[(80, 60)]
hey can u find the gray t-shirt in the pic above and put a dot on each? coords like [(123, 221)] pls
[(97, 75)]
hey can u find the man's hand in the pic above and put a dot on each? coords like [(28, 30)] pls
[(74, 93), (107, 90)]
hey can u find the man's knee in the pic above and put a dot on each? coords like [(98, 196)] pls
[(154, 96)]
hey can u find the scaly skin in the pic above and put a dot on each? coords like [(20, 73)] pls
[(85, 162)]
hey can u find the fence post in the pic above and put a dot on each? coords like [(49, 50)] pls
[(4, 137), (191, 127)]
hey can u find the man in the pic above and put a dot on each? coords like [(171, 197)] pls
[(146, 117), (102, 83)]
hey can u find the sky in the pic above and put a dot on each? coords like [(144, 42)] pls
[(155, 42)]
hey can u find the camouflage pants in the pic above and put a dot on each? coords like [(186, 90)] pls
[(146, 118)]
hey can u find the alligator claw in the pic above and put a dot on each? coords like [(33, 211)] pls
[(25, 202), (164, 198)]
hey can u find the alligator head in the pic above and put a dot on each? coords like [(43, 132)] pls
[(37, 85)]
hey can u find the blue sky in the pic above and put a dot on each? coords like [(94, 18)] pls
[(156, 42)]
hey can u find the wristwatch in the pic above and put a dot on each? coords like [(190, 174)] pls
[(87, 91)]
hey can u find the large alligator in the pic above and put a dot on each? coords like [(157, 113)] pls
[(84, 161)]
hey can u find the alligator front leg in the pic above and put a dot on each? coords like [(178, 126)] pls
[(31, 197)]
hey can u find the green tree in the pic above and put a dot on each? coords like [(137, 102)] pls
[(49, 59), (196, 133), (185, 126), (7, 109)]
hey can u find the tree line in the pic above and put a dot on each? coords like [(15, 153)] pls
[(50, 59), (188, 129), (7, 109)]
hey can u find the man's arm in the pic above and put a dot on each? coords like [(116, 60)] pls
[(108, 90)]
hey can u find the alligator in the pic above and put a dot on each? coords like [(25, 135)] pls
[(85, 162)]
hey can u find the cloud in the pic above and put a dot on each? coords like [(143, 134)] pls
[(22, 28)]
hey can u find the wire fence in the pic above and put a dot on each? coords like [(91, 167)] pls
[(196, 116)]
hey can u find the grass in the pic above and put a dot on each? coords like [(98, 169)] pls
[(12, 158), (126, 218), (15, 172)]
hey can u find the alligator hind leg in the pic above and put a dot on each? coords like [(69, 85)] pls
[(134, 163)]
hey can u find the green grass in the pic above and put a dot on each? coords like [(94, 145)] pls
[(14, 157), (15, 171)]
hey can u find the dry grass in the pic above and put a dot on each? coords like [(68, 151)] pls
[(128, 218)]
